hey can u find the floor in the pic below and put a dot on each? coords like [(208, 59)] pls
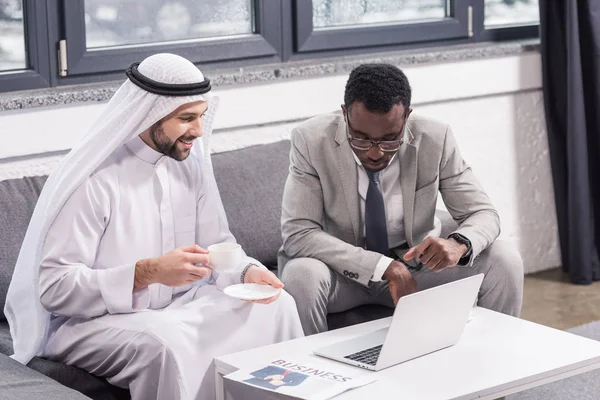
[(549, 299)]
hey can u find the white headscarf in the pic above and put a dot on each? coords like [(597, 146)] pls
[(131, 111)]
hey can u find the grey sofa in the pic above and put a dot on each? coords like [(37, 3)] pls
[(251, 184), (18, 382)]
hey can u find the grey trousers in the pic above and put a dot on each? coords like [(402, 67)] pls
[(318, 290)]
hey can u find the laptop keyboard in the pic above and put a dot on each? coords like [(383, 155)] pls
[(368, 356)]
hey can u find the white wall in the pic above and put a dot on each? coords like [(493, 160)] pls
[(503, 138), (494, 106)]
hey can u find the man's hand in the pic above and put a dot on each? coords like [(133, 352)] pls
[(263, 276), (175, 268), (400, 281), (437, 253)]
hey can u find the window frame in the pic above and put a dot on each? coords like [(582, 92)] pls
[(36, 75), (265, 43), (284, 34), (309, 40), (506, 33), (501, 33)]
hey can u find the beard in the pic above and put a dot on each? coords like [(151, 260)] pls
[(165, 145)]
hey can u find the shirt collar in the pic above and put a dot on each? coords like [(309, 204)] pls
[(143, 151)]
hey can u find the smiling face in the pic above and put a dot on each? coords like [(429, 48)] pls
[(174, 135), (376, 126)]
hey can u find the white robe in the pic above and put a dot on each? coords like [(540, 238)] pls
[(159, 342)]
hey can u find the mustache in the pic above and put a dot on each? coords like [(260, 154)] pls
[(187, 139)]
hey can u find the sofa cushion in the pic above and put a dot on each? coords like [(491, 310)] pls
[(19, 382), (70, 376), (17, 201), (251, 184), (76, 378), (6, 346)]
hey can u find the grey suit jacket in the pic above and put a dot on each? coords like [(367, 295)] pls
[(321, 216)]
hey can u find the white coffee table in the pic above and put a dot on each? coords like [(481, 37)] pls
[(497, 355)]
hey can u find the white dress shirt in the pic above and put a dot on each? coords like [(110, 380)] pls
[(389, 179)]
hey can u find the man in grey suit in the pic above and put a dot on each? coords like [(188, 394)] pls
[(359, 219)]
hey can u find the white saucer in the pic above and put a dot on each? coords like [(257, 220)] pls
[(251, 291)]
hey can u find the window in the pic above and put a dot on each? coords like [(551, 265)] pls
[(63, 42), (334, 13), (511, 12), (106, 36), (351, 24), (510, 19), (12, 36), (24, 49), (117, 23)]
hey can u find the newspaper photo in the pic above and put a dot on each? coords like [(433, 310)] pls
[(304, 379)]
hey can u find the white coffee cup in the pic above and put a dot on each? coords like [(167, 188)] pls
[(224, 256)]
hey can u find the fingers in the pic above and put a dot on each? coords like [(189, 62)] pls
[(269, 278), (194, 248), (435, 256), (266, 277), (416, 252), (200, 250), (428, 255), (392, 286), (269, 300), (266, 301), (194, 258), (438, 263), (272, 299), (198, 272), (196, 277)]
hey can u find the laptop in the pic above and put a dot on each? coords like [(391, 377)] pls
[(423, 322)]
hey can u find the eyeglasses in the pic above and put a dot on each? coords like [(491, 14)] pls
[(388, 146), (384, 145)]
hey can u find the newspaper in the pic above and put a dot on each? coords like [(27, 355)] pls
[(307, 378)]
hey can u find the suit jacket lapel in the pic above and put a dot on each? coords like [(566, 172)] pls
[(408, 181), (348, 177)]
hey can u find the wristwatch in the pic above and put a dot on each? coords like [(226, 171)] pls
[(464, 260)]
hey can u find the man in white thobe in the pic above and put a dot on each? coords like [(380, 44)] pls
[(123, 270)]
